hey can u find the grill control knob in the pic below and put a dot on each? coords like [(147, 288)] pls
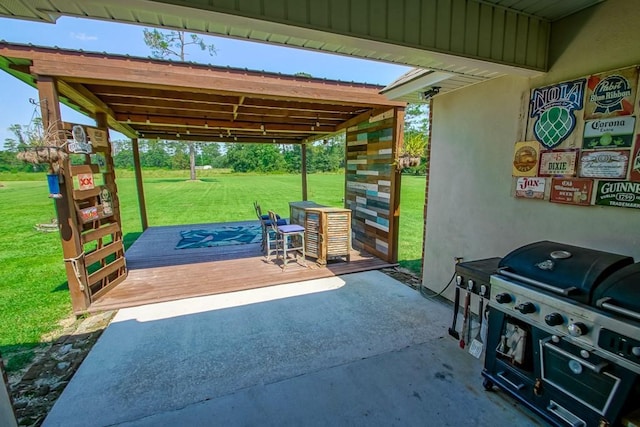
[(577, 329), (526, 308), (635, 351), (503, 298), (554, 319)]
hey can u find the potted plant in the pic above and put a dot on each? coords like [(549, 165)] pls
[(412, 150), (45, 146)]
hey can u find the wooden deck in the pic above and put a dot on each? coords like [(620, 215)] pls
[(158, 272)]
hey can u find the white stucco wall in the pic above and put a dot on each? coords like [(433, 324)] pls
[(471, 212)]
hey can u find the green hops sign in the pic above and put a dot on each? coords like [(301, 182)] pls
[(553, 107)]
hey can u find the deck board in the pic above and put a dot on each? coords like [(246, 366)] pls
[(158, 272)]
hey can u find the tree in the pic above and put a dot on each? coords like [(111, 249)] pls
[(169, 44)]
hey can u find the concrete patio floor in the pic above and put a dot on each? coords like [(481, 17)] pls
[(358, 349)]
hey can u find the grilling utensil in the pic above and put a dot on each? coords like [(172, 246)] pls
[(477, 345), (465, 321), (456, 306)]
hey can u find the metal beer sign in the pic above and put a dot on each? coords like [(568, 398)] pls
[(558, 162), (634, 175), (530, 188), (571, 191), (616, 132), (611, 94), (611, 164), (618, 193), (553, 108)]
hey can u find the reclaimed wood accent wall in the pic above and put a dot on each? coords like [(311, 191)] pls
[(373, 183)]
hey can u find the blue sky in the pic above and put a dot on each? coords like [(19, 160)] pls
[(100, 36)]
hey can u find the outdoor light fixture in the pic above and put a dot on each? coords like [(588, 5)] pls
[(148, 121), (177, 135), (206, 123), (432, 91), (220, 135), (129, 119), (235, 138), (188, 132)]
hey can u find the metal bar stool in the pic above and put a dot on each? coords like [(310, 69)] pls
[(286, 237)]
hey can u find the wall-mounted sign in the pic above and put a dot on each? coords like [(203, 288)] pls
[(85, 181), (571, 191), (611, 94), (530, 188), (634, 174), (618, 193), (611, 164), (609, 133), (89, 214), (98, 137), (558, 163), (525, 158), (553, 108), (105, 199), (79, 142)]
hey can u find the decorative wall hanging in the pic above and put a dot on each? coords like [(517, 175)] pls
[(618, 193), (611, 164), (85, 181), (634, 174), (105, 200), (553, 109), (558, 163), (611, 94), (89, 214), (530, 188), (609, 133), (79, 143), (571, 191), (525, 158)]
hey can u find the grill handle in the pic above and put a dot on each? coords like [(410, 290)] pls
[(595, 368), (564, 292), (565, 415), (604, 303)]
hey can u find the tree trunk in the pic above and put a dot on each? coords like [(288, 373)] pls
[(192, 160)]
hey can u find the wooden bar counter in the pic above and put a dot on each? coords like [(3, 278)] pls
[(327, 230)]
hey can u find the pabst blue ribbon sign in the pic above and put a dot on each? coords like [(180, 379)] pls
[(611, 94), (553, 108)]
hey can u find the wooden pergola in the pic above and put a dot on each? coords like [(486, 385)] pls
[(148, 98)]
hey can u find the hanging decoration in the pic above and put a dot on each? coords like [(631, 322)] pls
[(46, 147)]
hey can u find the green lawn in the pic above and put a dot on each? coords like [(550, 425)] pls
[(33, 289)]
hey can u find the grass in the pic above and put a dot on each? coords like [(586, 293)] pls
[(33, 289)]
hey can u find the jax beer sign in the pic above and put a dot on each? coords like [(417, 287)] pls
[(618, 193), (553, 108), (530, 188)]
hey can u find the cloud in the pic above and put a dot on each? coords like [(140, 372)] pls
[(83, 36)]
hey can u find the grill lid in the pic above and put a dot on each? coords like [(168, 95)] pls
[(620, 292), (568, 270)]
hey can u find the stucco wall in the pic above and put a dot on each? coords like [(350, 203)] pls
[(471, 211)]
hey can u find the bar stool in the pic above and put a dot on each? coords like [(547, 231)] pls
[(286, 239)]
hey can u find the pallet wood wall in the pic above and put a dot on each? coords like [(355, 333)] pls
[(100, 264), (372, 183)]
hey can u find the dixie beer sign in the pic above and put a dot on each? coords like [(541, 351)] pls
[(558, 163)]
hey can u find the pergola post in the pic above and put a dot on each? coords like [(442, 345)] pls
[(72, 247), (303, 151), (138, 173)]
